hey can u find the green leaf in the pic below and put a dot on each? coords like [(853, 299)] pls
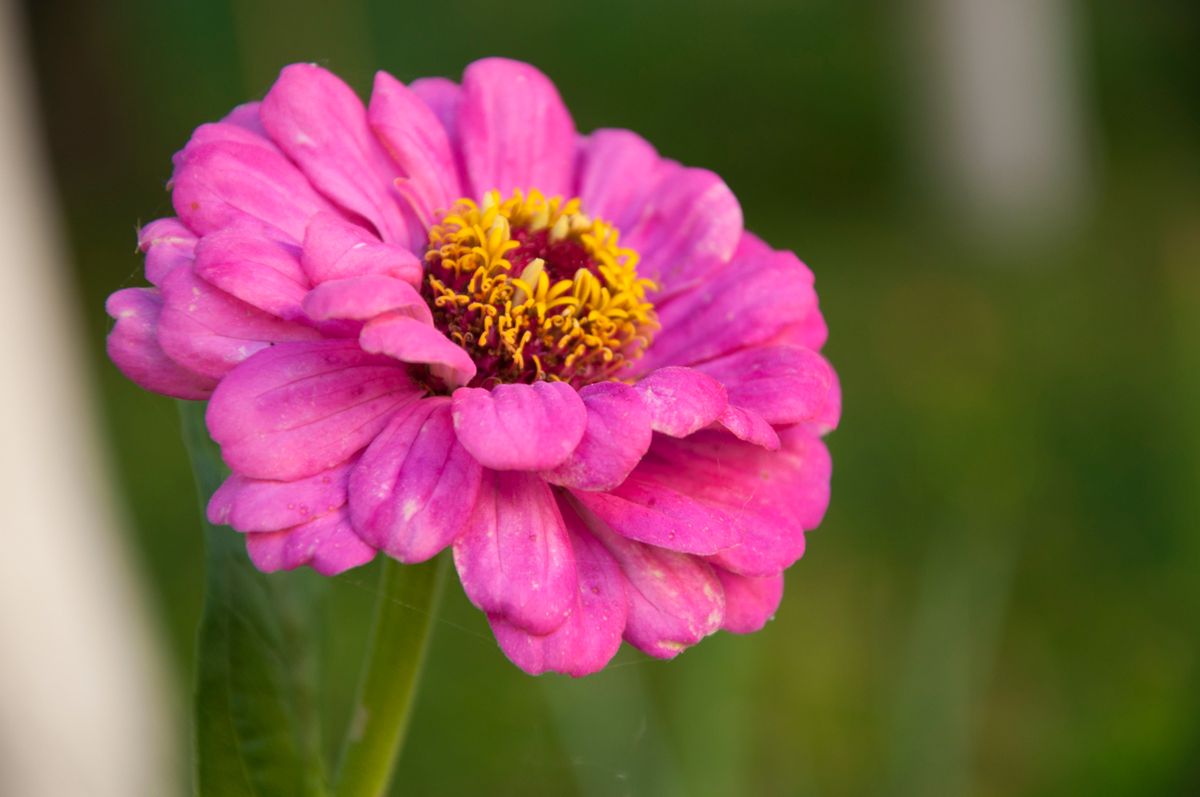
[(255, 723)]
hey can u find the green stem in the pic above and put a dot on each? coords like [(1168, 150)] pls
[(400, 632)]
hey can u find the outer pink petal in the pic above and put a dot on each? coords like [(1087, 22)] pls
[(681, 401), (207, 330), (134, 348), (770, 498), (240, 126), (617, 437), (515, 559), (444, 97), (336, 249), (261, 505), (222, 181), (618, 171), (591, 635), (675, 600), (415, 487), (247, 116), (748, 425), (418, 143), (657, 505), (328, 544), (251, 267), (520, 427), (320, 123), (516, 132), (783, 384), (689, 226), (399, 335), (364, 298), (297, 409), (746, 303), (750, 602), (828, 419), (167, 244)]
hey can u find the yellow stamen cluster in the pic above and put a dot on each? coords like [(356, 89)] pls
[(531, 320)]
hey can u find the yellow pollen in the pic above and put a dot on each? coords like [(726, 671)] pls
[(548, 317)]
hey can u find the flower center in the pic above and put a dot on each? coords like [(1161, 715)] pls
[(533, 288)]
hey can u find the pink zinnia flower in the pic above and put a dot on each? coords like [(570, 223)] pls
[(446, 319)]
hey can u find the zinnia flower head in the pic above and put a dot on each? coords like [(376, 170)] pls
[(446, 319)]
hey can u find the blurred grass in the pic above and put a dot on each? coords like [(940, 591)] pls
[(1003, 598)]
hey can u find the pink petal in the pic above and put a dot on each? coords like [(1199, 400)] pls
[(748, 425), (750, 602), (689, 226), (658, 505), (831, 413), (415, 487), (364, 298), (336, 249), (520, 427), (746, 303), (134, 348), (242, 125), (618, 171), (444, 97), (259, 271), (675, 600), (807, 329), (209, 331), (247, 116), (515, 559), (681, 401), (409, 340), (769, 498), (167, 244), (327, 544), (783, 384), (617, 436), (222, 181), (262, 505), (320, 123), (297, 409), (417, 142), (591, 635), (516, 132)]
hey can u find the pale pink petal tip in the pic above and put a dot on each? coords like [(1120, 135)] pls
[(134, 348), (167, 244), (327, 545), (750, 602)]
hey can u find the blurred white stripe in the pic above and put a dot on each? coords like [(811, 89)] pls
[(83, 709), (1006, 133)]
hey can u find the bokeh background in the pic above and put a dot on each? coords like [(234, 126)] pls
[(1001, 202)]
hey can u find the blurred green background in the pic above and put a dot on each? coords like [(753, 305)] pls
[(1005, 594)]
